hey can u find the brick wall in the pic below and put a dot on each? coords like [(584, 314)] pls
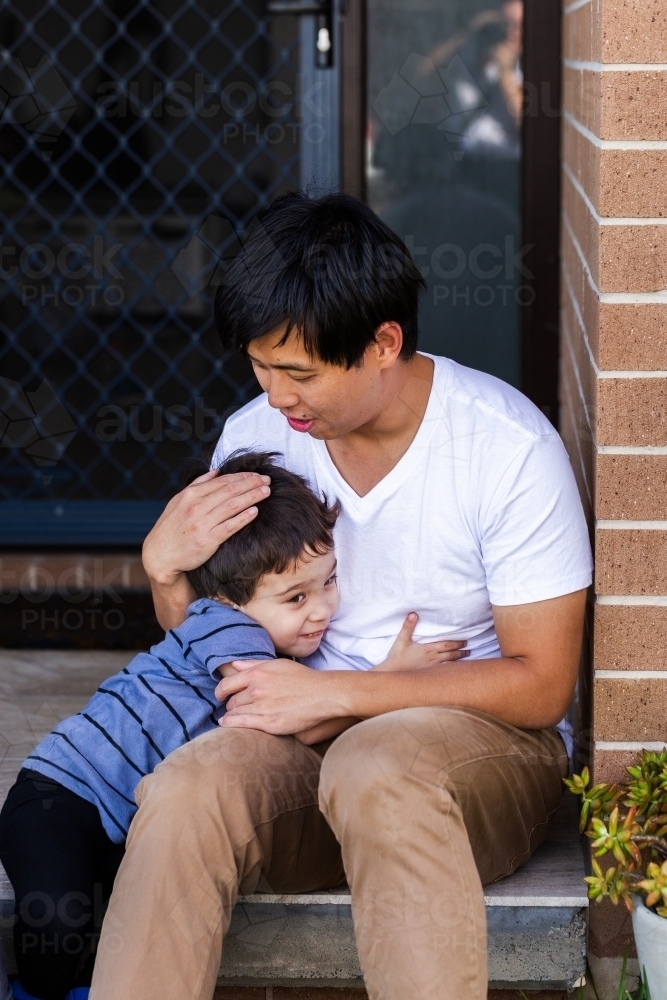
[(614, 363)]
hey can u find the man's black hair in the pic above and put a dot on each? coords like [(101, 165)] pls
[(291, 522), (327, 267)]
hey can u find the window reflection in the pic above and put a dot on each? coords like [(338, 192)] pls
[(443, 166)]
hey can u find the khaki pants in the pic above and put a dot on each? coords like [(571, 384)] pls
[(427, 805)]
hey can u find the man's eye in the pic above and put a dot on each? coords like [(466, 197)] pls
[(297, 599)]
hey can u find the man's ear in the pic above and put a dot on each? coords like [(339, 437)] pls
[(388, 343)]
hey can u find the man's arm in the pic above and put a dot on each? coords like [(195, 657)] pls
[(192, 526), (530, 686)]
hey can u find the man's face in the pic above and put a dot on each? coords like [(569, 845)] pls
[(316, 398)]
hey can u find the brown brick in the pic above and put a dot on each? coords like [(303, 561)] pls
[(633, 183), (583, 226), (586, 407), (578, 445), (72, 570), (574, 341), (583, 159), (631, 411), (630, 637), (632, 487), (629, 709), (582, 34), (620, 411), (622, 337), (633, 258), (631, 561), (620, 258), (610, 765), (618, 105), (632, 337), (621, 183), (633, 31), (575, 282)]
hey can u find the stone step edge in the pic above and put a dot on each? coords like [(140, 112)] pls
[(344, 899)]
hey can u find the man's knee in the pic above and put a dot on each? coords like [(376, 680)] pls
[(370, 766), (386, 760)]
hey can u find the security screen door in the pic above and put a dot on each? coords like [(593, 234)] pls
[(139, 138)]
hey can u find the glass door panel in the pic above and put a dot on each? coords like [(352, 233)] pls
[(443, 166)]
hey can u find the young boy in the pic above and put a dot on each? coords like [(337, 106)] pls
[(270, 589)]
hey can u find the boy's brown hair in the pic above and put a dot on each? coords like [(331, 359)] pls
[(291, 522)]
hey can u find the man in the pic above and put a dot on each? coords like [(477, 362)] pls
[(459, 504)]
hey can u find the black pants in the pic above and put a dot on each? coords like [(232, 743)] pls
[(62, 866)]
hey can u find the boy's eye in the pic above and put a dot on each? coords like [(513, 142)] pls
[(297, 599), (332, 579)]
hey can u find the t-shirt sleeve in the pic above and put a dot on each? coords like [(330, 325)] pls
[(534, 537), (233, 641)]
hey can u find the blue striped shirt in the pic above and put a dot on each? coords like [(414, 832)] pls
[(161, 700)]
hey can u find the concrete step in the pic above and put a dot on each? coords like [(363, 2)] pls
[(536, 917)]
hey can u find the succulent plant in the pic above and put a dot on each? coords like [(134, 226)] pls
[(637, 838)]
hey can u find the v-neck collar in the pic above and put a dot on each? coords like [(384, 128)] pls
[(363, 506)]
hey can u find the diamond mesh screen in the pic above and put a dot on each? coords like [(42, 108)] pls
[(138, 140)]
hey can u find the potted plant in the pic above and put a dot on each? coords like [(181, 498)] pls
[(629, 821)]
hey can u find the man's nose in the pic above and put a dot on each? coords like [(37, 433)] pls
[(281, 393)]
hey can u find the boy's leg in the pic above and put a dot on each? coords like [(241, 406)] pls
[(51, 842), (429, 804), (232, 808)]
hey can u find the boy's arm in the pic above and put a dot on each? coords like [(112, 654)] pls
[(316, 734)]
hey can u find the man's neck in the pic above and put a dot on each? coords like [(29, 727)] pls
[(369, 453)]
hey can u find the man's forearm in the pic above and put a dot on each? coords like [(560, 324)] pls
[(508, 688), (171, 601)]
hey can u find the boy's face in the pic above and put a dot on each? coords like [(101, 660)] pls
[(295, 607)]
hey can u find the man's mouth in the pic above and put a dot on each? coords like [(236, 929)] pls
[(303, 426)]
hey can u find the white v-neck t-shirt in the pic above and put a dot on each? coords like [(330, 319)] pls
[(482, 509)]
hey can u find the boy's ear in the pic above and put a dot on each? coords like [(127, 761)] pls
[(221, 599)]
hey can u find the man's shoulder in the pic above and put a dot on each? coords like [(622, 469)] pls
[(257, 413), (256, 426), (486, 403)]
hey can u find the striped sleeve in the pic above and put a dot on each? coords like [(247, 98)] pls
[(218, 637)]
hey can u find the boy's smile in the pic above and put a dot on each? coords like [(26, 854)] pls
[(296, 606)]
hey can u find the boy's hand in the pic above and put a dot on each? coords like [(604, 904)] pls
[(408, 655), (226, 670)]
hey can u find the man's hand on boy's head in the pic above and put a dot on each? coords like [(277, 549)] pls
[(406, 654), (199, 519)]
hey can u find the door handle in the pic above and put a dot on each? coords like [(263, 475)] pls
[(323, 12)]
